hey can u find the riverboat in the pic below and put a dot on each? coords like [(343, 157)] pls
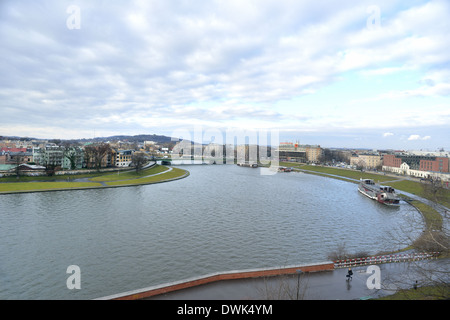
[(284, 169), (383, 194), (246, 164)]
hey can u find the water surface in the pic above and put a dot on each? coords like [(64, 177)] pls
[(220, 218)]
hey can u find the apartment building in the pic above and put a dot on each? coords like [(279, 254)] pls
[(367, 161), (65, 158), (299, 153), (123, 158)]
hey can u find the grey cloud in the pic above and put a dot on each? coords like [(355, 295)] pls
[(198, 61)]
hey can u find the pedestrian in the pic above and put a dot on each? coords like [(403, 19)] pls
[(349, 274)]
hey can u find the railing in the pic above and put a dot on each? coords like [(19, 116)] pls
[(385, 259)]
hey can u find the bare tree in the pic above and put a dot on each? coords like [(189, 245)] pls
[(139, 159), (17, 161), (341, 253), (434, 190), (284, 287), (434, 238), (95, 154), (73, 153)]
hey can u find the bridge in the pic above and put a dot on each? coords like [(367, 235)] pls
[(192, 158)]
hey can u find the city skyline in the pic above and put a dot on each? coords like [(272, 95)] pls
[(366, 74)]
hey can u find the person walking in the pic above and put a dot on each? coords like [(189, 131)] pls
[(349, 274)]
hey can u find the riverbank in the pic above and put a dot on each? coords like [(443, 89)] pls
[(398, 182), (433, 219), (154, 174)]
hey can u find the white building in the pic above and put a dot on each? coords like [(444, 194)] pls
[(124, 158), (405, 170)]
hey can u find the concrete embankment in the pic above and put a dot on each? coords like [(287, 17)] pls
[(216, 277)]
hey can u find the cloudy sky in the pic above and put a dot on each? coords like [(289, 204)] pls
[(372, 74)]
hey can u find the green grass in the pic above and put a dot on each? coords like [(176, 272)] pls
[(96, 181), (433, 219), (417, 189), (42, 186), (422, 293), (128, 175), (175, 173), (414, 187), (49, 178), (347, 173)]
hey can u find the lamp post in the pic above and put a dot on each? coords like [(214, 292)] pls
[(299, 273)]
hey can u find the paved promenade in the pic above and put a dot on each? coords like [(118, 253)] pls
[(322, 285)]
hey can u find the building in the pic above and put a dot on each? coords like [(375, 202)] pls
[(417, 162), (291, 152), (30, 169), (21, 157), (123, 158), (73, 158), (66, 158), (390, 160), (418, 165), (313, 153), (15, 156), (48, 155), (367, 161), (295, 152)]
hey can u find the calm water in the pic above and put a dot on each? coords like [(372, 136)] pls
[(220, 218)]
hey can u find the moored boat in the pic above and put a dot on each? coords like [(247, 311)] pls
[(383, 194)]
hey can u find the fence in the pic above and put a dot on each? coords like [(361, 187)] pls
[(385, 259)]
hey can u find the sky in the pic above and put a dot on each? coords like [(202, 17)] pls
[(345, 74)]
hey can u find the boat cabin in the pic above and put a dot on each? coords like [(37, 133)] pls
[(387, 189), (368, 181)]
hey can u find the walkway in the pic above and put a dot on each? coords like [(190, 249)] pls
[(325, 285), (322, 285)]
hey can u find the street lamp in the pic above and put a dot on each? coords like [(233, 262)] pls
[(299, 273)]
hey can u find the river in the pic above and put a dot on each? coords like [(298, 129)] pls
[(220, 218)]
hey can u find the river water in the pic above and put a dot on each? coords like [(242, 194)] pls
[(220, 218)]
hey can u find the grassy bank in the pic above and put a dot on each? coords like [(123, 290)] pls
[(173, 174), (41, 186), (433, 220), (129, 175), (347, 173), (421, 293), (62, 177), (154, 174), (414, 187)]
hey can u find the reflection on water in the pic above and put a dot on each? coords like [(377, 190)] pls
[(220, 218)]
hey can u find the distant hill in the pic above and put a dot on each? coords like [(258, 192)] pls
[(136, 138)]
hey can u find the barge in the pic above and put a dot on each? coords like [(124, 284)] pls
[(383, 194)]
